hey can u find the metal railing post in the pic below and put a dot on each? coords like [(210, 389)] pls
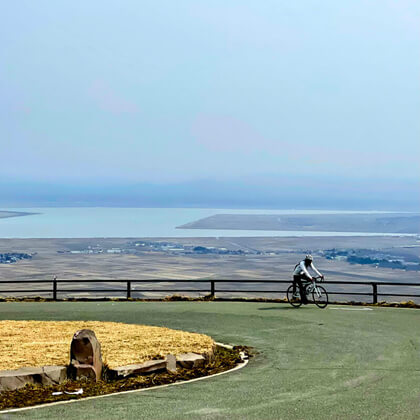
[(212, 288), (128, 289), (55, 288), (375, 292)]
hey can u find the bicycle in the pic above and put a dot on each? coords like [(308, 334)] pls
[(319, 294)]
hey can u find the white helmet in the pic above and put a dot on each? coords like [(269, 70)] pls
[(309, 257)]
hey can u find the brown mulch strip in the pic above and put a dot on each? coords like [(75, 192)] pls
[(180, 298), (30, 395)]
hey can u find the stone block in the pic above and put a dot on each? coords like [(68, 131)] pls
[(18, 378), (209, 355), (83, 371), (171, 363), (53, 375), (190, 360), (150, 366)]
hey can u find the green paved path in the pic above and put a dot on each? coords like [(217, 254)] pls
[(313, 364)]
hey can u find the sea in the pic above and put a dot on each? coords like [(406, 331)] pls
[(116, 222)]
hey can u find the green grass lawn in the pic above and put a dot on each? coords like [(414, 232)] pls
[(331, 363)]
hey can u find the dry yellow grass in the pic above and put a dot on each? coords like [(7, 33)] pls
[(42, 343)]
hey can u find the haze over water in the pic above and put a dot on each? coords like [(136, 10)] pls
[(225, 104)]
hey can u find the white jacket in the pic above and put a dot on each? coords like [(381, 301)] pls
[(301, 269)]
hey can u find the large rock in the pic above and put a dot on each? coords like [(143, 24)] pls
[(150, 366), (85, 356), (190, 360), (47, 375)]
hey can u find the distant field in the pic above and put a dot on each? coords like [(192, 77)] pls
[(51, 257), (363, 223)]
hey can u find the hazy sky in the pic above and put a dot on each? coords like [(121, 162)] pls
[(165, 90)]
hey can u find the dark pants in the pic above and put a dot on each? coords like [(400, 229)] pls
[(297, 280)]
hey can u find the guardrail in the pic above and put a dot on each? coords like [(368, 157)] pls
[(211, 290)]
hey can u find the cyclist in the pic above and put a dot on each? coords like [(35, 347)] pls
[(301, 273)]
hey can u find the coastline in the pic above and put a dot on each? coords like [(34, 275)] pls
[(383, 223), (4, 214)]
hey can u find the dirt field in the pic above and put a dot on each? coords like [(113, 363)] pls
[(51, 258)]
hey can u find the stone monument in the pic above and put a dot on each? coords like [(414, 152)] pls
[(85, 356)]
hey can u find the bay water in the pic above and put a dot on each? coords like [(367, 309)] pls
[(113, 222)]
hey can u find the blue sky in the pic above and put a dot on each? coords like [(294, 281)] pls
[(170, 91)]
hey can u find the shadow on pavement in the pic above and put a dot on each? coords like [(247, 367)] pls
[(278, 308)]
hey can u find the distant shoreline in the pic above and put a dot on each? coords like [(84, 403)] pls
[(385, 223), (7, 214)]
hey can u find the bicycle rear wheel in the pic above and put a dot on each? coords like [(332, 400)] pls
[(320, 297), (294, 301)]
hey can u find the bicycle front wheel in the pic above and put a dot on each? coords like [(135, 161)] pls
[(320, 297), (294, 301)]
